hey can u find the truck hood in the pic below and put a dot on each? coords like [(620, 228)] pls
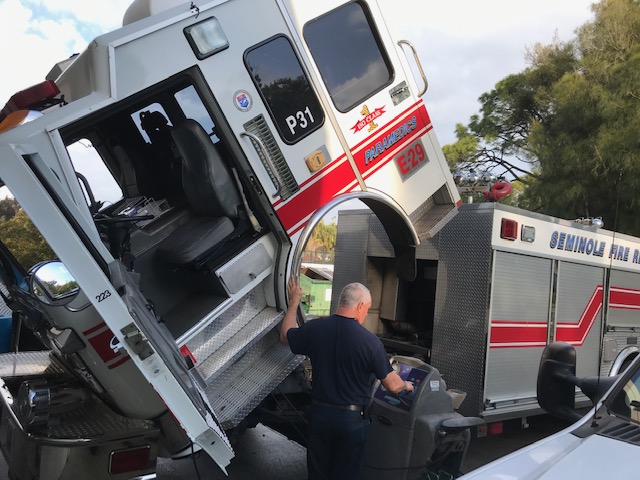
[(564, 455)]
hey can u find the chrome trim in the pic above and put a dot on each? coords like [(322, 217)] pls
[(256, 139), (322, 211), (7, 401), (419, 65), (621, 358)]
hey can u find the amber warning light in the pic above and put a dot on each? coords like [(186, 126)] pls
[(509, 229)]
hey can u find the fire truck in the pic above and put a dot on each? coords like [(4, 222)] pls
[(226, 129), (493, 288)]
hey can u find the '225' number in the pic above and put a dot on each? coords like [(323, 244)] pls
[(103, 296)]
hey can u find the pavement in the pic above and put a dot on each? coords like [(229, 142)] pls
[(262, 453)]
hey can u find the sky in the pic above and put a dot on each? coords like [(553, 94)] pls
[(465, 46)]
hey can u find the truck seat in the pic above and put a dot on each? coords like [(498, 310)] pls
[(211, 194)]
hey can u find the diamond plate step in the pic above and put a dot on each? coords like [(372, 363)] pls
[(225, 326), (241, 387), (238, 344)]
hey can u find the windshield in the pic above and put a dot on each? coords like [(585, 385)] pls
[(626, 403)]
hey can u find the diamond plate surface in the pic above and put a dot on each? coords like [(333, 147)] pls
[(461, 310), (430, 217), (228, 324), (380, 246), (92, 420), (351, 250), (5, 311), (240, 388), (239, 343), (24, 364)]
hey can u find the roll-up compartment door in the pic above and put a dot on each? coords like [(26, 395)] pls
[(519, 314), (624, 302), (579, 312)]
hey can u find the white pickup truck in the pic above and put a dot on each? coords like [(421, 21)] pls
[(602, 444)]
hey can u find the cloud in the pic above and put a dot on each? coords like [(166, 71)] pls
[(38, 34), (467, 47), (105, 14)]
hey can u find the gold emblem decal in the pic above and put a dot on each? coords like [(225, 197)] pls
[(369, 119)]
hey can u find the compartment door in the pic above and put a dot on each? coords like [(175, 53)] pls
[(579, 312), (520, 301)]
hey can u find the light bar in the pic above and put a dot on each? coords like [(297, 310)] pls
[(206, 38), (36, 97)]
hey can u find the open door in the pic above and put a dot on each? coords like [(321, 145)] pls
[(132, 332)]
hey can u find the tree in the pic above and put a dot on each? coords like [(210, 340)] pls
[(497, 139), (323, 239), (23, 239), (588, 149), (8, 208), (566, 127)]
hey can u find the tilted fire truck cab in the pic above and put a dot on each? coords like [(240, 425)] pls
[(220, 133)]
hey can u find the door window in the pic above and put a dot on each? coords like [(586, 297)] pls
[(285, 89), (349, 55)]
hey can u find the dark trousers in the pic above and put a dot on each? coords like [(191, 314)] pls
[(337, 440)]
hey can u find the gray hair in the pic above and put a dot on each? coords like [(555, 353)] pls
[(353, 294)]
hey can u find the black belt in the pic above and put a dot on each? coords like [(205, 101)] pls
[(353, 408)]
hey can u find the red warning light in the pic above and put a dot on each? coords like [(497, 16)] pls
[(509, 229)]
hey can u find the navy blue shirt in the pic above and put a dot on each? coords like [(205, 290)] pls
[(343, 355)]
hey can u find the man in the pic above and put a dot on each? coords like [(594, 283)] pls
[(343, 356)]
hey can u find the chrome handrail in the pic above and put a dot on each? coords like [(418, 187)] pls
[(419, 65)]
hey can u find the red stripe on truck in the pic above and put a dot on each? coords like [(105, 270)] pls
[(519, 333), (338, 176)]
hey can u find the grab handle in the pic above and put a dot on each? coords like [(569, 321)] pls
[(419, 65)]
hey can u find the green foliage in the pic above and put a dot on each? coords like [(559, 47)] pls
[(566, 128), (23, 239), (464, 150), (60, 289), (323, 237), (8, 208)]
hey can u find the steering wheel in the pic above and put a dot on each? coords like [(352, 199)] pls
[(117, 229)]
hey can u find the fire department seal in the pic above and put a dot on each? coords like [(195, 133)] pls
[(242, 100)]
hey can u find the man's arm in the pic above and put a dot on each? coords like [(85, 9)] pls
[(393, 383), (289, 320)]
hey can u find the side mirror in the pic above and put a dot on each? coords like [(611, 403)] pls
[(52, 284), (557, 381)]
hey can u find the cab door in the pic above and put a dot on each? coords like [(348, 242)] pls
[(269, 99), (34, 173), (373, 100)]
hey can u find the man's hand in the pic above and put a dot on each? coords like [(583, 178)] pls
[(289, 320), (295, 292), (395, 384)]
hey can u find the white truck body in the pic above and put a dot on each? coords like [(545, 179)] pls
[(162, 332), (483, 307), (602, 444)]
